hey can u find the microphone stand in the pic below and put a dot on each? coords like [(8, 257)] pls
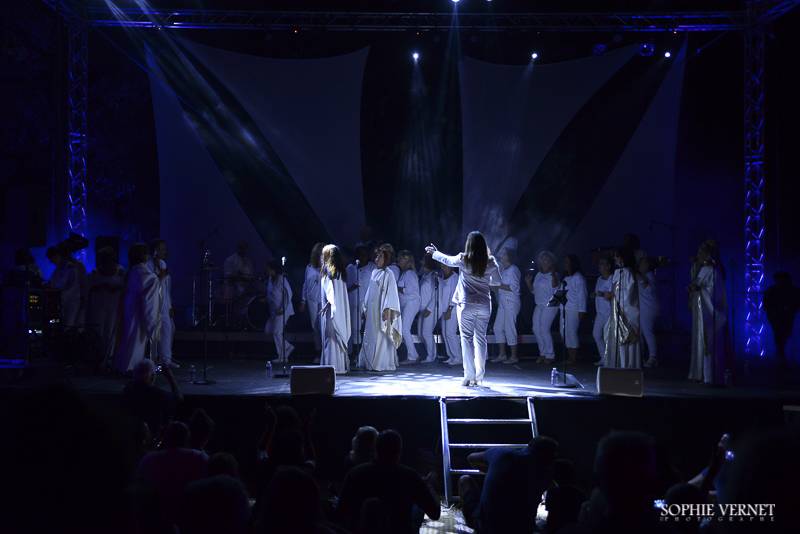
[(283, 318), (559, 299), (435, 314), (207, 268), (357, 344)]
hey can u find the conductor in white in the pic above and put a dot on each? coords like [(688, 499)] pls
[(478, 271)]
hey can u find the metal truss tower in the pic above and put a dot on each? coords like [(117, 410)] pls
[(754, 180), (77, 133)]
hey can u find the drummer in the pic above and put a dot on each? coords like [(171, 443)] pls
[(239, 271)]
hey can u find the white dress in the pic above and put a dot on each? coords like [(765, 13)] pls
[(544, 315), (66, 279), (452, 340), (381, 338), (167, 333), (140, 317), (335, 324), (709, 327), (603, 312), (105, 293), (624, 311), (575, 306), (428, 302)]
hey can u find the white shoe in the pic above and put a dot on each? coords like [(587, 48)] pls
[(499, 359), (430, 360)]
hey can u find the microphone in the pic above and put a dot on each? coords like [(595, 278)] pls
[(358, 262)]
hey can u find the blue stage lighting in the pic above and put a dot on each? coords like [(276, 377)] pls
[(534, 56), (667, 54), (415, 56)]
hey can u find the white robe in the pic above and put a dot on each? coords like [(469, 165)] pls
[(381, 338), (163, 350), (140, 317), (626, 303), (311, 297), (279, 294), (709, 318), (544, 315), (103, 313), (648, 311), (335, 324), (357, 284)]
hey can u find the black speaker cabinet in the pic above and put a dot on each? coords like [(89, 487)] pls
[(625, 382), (312, 380)]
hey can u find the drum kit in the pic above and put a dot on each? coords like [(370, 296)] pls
[(237, 303)]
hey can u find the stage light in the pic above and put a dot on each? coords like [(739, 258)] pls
[(415, 56), (646, 49), (454, 1), (667, 54), (534, 56)]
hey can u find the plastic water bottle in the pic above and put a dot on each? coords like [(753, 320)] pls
[(269, 369), (553, 376), (192, 373)]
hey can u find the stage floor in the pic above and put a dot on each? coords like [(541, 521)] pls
[(248, 377)]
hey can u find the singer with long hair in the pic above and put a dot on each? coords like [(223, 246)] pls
[(478, 272), (335, 312), (623, 327), (709, 306)]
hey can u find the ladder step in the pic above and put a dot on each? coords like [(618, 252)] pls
[(466, 472), (485, 445), (489, 421)]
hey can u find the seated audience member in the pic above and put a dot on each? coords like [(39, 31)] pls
[(564, 500), (399, 488), (143, 400), (201, 427), (215, 505), (626, 474), (291, 505), (362, 447), (169, 470), (515, 480), (223, 463)]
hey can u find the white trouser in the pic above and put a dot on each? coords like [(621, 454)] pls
[(573, 322), (647, 322), (425, 328), (165, 338), (452, 341), (598, 332), (312, 307), (543, 317), (408, 312), (473, 320), (505, 323), (275, 326)]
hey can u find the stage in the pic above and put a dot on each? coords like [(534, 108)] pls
[(239, 376)]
